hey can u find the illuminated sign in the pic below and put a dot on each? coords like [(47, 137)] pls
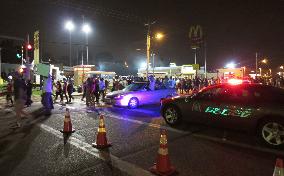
[(187, 69), (244, 113), (195, 36)]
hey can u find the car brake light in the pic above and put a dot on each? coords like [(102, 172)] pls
[(166, 100)]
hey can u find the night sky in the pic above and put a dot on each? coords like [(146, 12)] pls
[(234, 30)]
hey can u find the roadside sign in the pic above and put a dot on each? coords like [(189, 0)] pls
[(42, 69), (195, 66)]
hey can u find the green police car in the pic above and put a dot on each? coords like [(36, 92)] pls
[(252, 107)]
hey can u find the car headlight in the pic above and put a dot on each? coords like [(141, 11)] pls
[(119, 97)]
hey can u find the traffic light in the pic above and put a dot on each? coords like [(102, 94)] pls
[(18, 52), (29, 46)]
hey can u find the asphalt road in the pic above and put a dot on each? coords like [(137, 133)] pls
[(38, 148)]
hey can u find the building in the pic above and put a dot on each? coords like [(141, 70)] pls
[(173, 70), (80, 73)]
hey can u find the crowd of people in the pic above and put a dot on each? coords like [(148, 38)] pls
[(19, 90)]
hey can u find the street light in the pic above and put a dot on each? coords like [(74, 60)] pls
[(264, 61), (159, 36), (70, 27), (281, 67), (86, 29)]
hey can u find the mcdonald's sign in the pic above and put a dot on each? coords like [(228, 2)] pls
[(195, 36)]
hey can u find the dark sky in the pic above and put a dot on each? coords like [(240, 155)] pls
[(234, 30)]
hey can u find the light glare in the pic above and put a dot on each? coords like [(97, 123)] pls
[(231, 65), (86, 28), (69, 26)]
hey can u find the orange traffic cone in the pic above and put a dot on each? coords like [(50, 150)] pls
[(163, 166), (278, 170), (101, 136), (67, 128)]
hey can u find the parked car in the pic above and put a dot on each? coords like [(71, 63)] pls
[(252, 107), (137, 94)]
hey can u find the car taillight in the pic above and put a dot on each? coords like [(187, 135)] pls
[(166, 100)]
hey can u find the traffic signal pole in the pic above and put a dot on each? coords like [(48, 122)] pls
[(28, 73), (0, 63)]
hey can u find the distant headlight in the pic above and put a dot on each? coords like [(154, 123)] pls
[(119, 97)]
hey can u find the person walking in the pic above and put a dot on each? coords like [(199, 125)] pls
[(9, 96), (102, 87), (90, 93), (84, 86), (47, 96), (58, 91), (97, 89), (64, 90), (70, 88), (29, 87), (19, 98)]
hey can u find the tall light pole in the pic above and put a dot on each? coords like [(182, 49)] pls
[(148, 46), (256, 65), (87, 29), (70, 27), (0, 64), (153, 55)]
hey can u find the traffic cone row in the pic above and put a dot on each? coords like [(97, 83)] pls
[(163, 165), (101, 141), (278, 170)]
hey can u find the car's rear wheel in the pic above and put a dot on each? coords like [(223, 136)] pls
[(172, 115), (271, 132), (133, 103)]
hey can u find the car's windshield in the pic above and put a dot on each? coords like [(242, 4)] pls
[(134, 87)]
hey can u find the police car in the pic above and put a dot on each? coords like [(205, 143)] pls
[(251, 107)]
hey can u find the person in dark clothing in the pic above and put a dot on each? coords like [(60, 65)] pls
[(9, 96), (70, 91), (58, 91), (97, 90), (29, 88), (64, 90), (84, 90), (20, 97)]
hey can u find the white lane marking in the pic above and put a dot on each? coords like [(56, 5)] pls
[(124, 166), (146, 123)]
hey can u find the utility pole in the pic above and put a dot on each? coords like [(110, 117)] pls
[(28, 73), (22, 54), (153, 64), (0, 64), (205, 58), (256, 65), (70, 48), (148, 46)]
